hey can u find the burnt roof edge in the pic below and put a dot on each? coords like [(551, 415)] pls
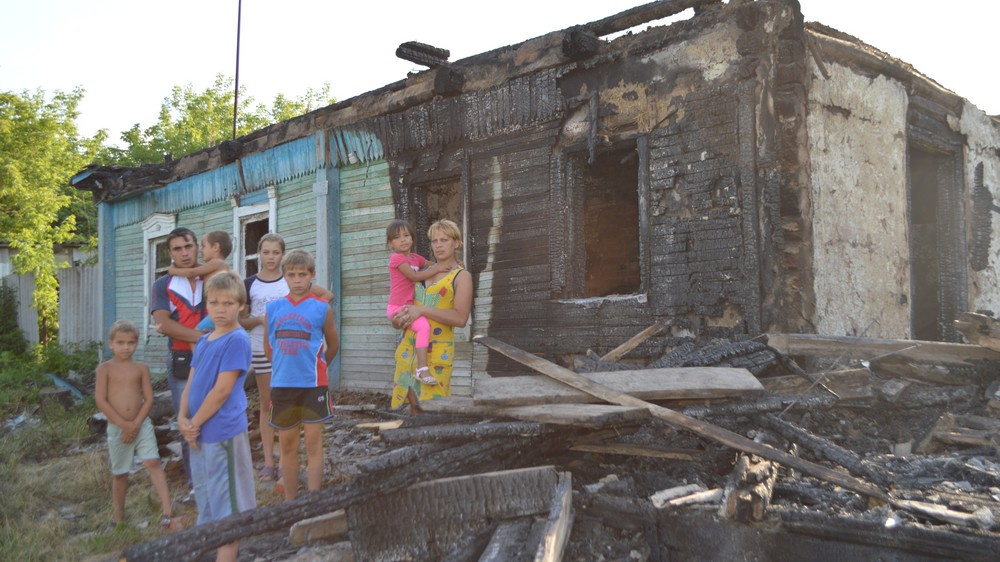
[(397, 96), (842, 47)]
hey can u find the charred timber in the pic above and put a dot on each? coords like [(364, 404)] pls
[(825, 448), (749, 488), (444, 461), (763, 405), (423, 54), (939, 542), (643, 14), (580, 44)]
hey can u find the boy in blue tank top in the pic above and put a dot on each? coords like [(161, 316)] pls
[(300, 340), (213, 410)]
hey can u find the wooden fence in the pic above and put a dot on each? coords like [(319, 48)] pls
[(79, 305)]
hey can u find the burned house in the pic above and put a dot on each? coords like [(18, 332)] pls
[(729, 174)]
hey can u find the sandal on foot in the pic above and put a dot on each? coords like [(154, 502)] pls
[(267, 474), (165, 522), (424, 375)]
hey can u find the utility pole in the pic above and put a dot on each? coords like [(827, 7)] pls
[(236, 93)]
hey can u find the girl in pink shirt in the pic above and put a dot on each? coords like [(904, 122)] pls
[(405, 269)]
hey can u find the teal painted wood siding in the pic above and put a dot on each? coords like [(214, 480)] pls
[(368, 340), (297, 214)]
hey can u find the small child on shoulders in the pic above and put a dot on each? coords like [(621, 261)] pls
[(215, 248), (405, 269), (124, 394), (300, 341), (213, 412)]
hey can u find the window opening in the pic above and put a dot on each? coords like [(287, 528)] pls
[(252, 230), (607, 238), (161, 260)]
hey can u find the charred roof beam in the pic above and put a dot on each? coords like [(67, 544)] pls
[(423, 54), (643, 14)]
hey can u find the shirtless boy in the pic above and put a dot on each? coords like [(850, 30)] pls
[(125, 394)]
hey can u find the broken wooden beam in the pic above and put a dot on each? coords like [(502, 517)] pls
[(762, 405), (678, 420), (980, 329), (748, 489), (328, 527), (648, 384), (555, 529), (843, 347), (423, 54), (824, 448), (633, 342), (643, 14)]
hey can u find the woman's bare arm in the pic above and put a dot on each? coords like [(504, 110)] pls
[(456, 316)]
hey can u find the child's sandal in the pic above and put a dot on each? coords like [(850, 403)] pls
[(423, 375)]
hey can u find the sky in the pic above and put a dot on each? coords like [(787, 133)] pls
[(128, 54)]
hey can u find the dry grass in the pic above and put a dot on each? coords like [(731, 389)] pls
[(55, 485)]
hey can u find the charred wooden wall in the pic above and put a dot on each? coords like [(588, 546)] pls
[(720, 186)]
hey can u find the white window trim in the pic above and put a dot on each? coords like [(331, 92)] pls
[(242, 214), (154, 227)]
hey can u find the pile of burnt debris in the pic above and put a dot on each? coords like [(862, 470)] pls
[(785, 446)]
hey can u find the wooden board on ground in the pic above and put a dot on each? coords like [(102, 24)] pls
[(584, 415), (844, 347), (646, 384), (849, 384)]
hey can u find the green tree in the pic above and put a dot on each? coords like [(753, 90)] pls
[(190, 121), (40, 150)]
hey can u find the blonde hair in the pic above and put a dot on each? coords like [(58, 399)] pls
[(446, 227), (124, 326), (271, 237), (227, 282), (298, 258)]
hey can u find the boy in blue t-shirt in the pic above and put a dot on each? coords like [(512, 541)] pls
[(213, 412), (300, 340)]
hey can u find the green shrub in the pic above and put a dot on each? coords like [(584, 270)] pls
[(21, 379), (11, 337), (77, 356), (23, 376)]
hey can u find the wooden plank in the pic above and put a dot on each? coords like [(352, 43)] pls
[(870, 348), (380, 426), (848, 384), (559, 523), (583, 415), (679, 420), (620, 351), (646, 384), (324, 528)]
